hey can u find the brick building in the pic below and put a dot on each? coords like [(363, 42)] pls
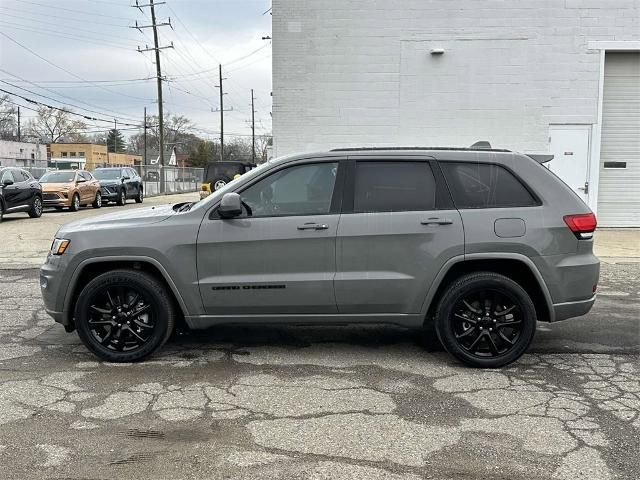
[(559, 76)]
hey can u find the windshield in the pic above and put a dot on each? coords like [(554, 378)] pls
[(110, 174), (58, 177)]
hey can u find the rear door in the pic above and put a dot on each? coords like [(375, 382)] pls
[(279, 256), (397, 230)]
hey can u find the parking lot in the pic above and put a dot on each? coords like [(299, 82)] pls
[(285, 402)]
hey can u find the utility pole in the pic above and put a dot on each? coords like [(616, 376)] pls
[(144, 160), (18, 123), (221, 110), (115, 136), (253, 129), (154, 25)]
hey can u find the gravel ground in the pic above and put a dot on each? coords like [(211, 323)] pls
[(320, 403)]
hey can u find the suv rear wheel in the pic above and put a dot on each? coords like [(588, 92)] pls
[(485, 320), (124, 315)]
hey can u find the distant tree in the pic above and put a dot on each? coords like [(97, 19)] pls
[(177, 132), (8, 119), (116, 142), (204, 153), (53, 126), (262, 142)]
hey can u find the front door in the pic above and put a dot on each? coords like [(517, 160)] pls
[(279, 256), (11, 192), (569, 145), (397, 230)]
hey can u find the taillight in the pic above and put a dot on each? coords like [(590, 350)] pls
[(582, 225)]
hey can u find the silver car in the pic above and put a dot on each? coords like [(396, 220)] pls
[(473, 245)]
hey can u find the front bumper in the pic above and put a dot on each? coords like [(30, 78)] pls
[(55, 200), (109, 192), (53, 287)]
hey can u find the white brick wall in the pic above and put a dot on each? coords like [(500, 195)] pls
[(359, 72)]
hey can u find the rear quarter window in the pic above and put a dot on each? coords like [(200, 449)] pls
[(485, 185)]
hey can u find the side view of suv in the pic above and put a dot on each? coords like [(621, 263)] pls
[(19, 192), (472, 243), (117, 184)]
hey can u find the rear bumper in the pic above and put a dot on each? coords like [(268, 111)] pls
[(567, 310)]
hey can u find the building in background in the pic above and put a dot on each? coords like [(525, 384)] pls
[(87, 156), (558, 76), (23, 154)]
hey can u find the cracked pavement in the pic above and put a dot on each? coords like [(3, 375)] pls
[(321, 403)]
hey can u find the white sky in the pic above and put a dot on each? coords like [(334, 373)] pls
[(92, 40)]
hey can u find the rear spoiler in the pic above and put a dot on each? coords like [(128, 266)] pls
[(540, 158)]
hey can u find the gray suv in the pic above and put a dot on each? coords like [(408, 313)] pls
[(472, 244)]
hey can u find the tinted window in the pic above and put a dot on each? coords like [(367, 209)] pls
[(6, 175), (300, 190), (86, 175), (394, 187), (26, 175), (481, 185)]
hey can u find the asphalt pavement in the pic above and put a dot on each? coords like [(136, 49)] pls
[(314, 403)]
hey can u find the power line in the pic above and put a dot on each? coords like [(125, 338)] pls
[(64, 69), (80, 12), (68, 19)]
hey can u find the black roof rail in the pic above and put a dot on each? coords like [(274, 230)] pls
[(366, 149)]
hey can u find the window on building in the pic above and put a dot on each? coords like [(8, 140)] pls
[(482, 185), (72, 154), (63, 154), (81, 154), (33, 156), (394, 187)]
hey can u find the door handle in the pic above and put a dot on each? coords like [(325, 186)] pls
[(313, 226), (436, 221)]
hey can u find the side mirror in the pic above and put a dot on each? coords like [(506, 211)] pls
[(230, 205), (7, 181)]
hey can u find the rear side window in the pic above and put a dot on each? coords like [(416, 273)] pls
[(394, 187), (483, 185)]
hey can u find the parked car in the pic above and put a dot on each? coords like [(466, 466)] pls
[(70, 188), (476, 244), (119, 184), (19, 192), (218, 174)]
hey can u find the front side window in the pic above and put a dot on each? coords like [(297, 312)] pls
[(394, 187), (484, 185), (6, 175), (299, 190)]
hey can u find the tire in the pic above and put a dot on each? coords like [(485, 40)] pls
[(97, 203), (36, 208), (122, 198), (107, 338), (219, 182), (1, 211), (75, 203), (485, 320), (140, 195)]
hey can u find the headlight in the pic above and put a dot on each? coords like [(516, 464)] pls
[(59, 246)]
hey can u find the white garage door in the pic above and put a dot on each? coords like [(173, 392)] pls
[(619, 192)]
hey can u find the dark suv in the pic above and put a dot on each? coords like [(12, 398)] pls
[(19, 192), (119, 184), (475, 245)]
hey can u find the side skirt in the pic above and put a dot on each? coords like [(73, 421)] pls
[(404, 320)]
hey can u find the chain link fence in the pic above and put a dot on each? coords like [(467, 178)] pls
[(176, 179)]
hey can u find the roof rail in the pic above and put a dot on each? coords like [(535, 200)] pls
[(366, 149), (540, 158)]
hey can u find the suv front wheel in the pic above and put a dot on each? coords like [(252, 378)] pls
[(485, 320), (124, 315)]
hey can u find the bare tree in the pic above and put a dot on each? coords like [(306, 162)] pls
[(262, 142), (52, 125), (8, 120)]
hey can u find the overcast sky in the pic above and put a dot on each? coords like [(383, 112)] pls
[(91, 39)]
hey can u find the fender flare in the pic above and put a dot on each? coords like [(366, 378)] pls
[(489, 256), (119, 258)]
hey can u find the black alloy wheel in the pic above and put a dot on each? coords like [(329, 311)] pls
[(140, 196), (36, 208), (124, 315), (486, 320)]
